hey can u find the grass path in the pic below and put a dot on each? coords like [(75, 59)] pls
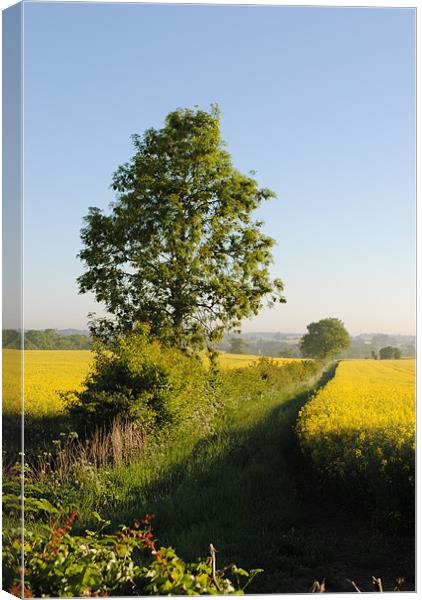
[(248, 491)]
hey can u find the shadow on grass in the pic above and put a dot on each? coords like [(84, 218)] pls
[(39, 432), (250, 492), (239, 489)]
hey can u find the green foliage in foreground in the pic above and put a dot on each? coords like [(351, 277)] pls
[(99, 563), (244, 487), (195, 481)]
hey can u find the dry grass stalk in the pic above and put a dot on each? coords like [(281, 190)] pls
[(117, 445), (352, 583), (318, 587), (214, 568), (399, 583), (377, 583)]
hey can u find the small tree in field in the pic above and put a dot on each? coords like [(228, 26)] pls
[(389, 352), (324, 339), (180, 249)]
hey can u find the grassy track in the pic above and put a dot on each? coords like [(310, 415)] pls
[(247, 490)]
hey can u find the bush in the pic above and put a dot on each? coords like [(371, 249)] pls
[(266, 374), (141, 381), (289, 373)]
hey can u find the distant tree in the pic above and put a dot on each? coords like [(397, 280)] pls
[(397, 353), (324, 339), (237, 345), (374, 354), (180, 249), (386, 353), (12, 339), (389, 352)]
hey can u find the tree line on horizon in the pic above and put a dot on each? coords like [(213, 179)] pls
[(276, 345), (46, 339), (279, 345)]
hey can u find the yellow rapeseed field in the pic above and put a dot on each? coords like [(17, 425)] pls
[(363, 421), (48, 372)]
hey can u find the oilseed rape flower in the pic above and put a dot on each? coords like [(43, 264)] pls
[(42, 374), (362, 423)]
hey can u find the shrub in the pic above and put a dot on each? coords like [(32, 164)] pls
[(139, 380), (266, 374)]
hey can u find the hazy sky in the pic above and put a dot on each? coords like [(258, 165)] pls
[(319, 101)]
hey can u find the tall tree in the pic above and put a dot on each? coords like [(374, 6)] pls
[(324, 339), (180, 249)]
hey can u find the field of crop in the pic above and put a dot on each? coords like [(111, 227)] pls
[(361, 425), (48, 372)]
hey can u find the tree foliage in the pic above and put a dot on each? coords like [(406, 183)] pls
[(389, 352), (180, 248), (138, 380), (324, 339)]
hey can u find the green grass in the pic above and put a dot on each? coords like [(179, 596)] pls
[(247, 490), (235, 488)]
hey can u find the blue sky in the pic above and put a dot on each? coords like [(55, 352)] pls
[(319, 101)]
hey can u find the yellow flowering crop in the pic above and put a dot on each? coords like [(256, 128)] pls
[(363, 421), (46, 372)]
